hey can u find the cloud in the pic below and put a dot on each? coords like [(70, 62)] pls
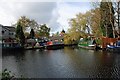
[(52, 0), (69, 10), (53, 22), (41, 11), (55, 14)]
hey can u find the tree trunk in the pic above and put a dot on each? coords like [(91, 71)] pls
[(112, 23)]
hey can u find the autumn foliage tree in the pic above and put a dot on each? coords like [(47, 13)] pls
[(76, 30), (27, 23), (44, 31), (95, 22)]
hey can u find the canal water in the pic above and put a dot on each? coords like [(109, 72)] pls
[(70, 62)]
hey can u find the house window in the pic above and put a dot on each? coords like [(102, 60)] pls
[(3, 32), (11, 33)]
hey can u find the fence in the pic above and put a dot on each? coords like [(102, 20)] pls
[(106, 41)]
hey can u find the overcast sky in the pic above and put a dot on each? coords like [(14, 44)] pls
[(55, 14)]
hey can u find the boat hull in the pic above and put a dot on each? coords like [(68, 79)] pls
[(12, 48), (87, 47), (113, 49), (32, 48), (54, 47)]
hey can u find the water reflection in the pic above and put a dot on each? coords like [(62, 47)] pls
[(70, 62)]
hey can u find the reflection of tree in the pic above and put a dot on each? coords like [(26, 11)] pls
[(93, 64), (105, 63)]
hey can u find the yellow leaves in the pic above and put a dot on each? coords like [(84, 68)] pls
[(26, 34), (78, 25), (77, 30), (95, 22), (73, 37), (27, 23), (24, 21)]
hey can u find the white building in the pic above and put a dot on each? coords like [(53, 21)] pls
[(7, 32), (0, 32)]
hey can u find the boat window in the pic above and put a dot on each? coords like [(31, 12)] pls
[(118, 43)]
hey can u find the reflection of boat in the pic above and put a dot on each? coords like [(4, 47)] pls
[(86, 43), (35, 47), (54, 45), (11, 46)]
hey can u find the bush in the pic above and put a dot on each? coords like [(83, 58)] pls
[(6, 75)]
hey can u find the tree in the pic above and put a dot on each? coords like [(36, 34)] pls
[(116, 6), (107, 19), (56, 34), (34, 25), (44, 31), (78, 24), (112, 18), (95, 4), (118, 13), (20, 34), (24, 21), (63, 31), (32, 34), (95, 22), (26, 35), (27, 23), (78, 28)]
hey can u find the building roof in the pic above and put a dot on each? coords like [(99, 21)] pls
[(10, 28), (1, 25), (56, 38)]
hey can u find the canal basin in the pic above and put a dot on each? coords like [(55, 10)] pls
[(70, 62)]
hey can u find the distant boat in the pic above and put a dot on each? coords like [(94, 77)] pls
[(37, 46), (86, 43), (112, 48), (54, 45)]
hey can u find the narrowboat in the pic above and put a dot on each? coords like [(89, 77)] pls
[(87, 44), (54, 45), (114, 48)]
